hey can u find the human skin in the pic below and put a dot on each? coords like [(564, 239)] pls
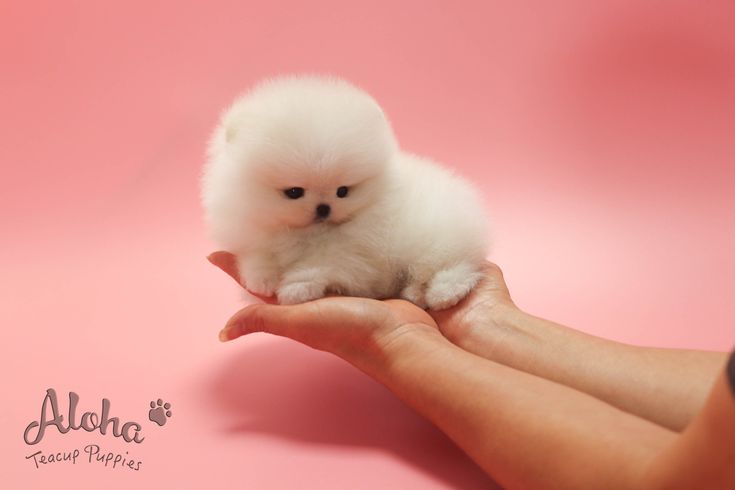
[(524, 430), (666, 386)]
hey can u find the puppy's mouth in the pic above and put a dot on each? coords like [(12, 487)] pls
[(329, 221)]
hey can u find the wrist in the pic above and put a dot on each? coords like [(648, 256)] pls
[(479, 321), (499, 332), (400, 345)]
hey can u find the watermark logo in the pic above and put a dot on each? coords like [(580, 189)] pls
[(159, 412), (128, 431)]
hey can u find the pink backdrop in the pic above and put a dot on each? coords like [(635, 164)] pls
[(600, 132)]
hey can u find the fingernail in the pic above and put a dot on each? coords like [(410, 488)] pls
[(224, 335)]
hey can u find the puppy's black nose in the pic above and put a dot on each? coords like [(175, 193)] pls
[(323, 210)]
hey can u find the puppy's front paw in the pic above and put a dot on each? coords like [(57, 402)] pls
[(300, 292), (262, 285)]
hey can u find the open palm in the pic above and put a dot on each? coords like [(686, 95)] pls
[(346, 326), (349, 326)]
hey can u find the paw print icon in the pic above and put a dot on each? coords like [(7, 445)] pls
[(159, 412)]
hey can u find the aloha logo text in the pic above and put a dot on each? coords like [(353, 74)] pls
[(89, 421)]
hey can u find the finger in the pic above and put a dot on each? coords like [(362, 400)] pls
[(309, 323), (225, 261), (260, 318)]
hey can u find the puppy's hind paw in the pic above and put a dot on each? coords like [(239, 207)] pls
[(449, 286), (299, 292)]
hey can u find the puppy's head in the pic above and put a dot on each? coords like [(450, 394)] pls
[(304, 150)]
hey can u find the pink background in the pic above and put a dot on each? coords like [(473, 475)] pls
[(602, 134)]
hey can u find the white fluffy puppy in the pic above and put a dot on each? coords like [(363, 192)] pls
[(306, 185)]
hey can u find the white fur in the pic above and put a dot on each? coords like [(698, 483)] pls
[(408, 227)]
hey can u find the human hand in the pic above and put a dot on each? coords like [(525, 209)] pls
[(485, 308), (478, 318), (357, 329)]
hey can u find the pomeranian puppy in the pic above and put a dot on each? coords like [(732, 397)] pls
[(306, 185)]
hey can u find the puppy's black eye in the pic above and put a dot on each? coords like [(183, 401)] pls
[(342, 191), (294, 192)]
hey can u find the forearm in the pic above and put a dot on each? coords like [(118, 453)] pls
[(667, 386), (704, 455), (524, 431)]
